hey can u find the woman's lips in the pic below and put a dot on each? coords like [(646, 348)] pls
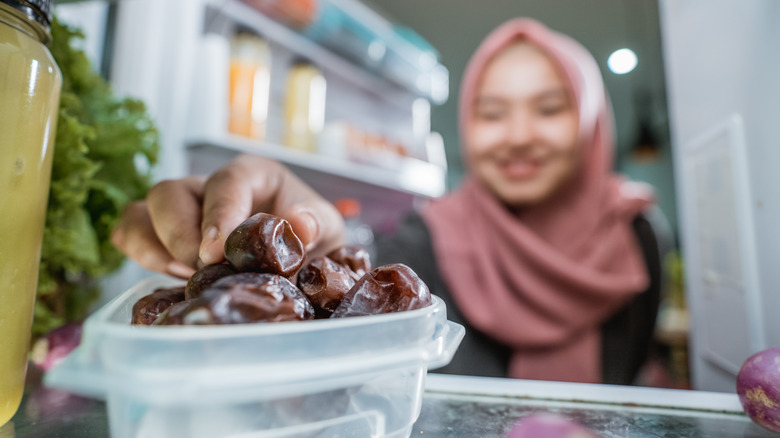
[(519, 169)]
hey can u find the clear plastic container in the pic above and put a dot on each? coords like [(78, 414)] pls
[(360, 377)]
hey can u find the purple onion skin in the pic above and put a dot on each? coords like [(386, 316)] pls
[(52, 349), (758, 388)]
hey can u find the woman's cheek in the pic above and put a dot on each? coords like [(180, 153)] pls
[(482, 138), (562, 133)]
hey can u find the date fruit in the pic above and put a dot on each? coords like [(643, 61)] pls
[(386, 289), (324, 282), (174, 315), (246, 298), (265, 243), (262, 280), (353, 257), (205, 277), (147, 309)]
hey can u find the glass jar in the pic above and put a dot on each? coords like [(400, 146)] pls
[(30, 84), (250, 84), (304, 106)]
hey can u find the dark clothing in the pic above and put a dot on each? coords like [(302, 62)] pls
[(626, 336)]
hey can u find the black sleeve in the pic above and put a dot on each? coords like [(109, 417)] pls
[(627, 336), (477, 355)]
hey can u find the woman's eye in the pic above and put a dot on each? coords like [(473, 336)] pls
[(489, 115), (551, 110)]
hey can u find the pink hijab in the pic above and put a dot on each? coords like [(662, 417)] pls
[(544, 280)]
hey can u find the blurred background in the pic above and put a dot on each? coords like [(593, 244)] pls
[(359, 98)]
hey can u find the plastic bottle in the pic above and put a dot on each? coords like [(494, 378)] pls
[(250, 84), (304, 106), (357, 231), (30, 83)]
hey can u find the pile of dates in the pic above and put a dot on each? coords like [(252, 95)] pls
[(268, 278)]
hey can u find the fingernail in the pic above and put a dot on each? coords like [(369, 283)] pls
[(209, 237), (211, 233), (205, 256), (179, 269)]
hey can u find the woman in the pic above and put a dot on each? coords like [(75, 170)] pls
[(539, 247), (538, 253)]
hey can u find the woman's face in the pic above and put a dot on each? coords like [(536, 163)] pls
[(522, 140)]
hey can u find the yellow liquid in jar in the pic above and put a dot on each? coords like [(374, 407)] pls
[(304, 107), (29, 97)]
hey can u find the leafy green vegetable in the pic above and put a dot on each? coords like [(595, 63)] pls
[(104, 150)]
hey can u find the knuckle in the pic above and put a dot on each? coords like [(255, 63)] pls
[(151, 261), (182, 243), (160, 189), (179, 235)]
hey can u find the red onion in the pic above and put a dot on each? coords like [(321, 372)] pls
[(758, 387), (51, 349)]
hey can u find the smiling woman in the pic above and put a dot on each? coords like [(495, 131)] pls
[(542, 248)]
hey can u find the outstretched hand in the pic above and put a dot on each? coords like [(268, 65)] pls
[(184, 223)]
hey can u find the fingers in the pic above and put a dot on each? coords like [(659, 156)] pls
[(174, 207), (135, 236), (189, 219), (228, 200), (252, 184), (316, 221)]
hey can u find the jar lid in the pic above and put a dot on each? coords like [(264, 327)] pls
[(36, 10)]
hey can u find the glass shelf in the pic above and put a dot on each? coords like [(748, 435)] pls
[(411, 175)]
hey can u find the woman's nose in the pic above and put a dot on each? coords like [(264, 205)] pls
[(520, 129)]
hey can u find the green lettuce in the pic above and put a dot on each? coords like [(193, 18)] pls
[(104, 151)]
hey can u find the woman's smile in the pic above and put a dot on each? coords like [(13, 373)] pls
[(519, 169)]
